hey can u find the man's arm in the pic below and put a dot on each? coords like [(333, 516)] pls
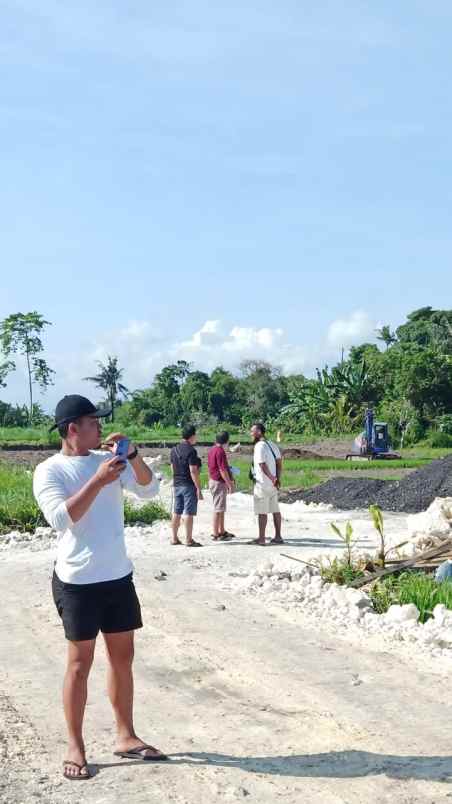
[(266, 471), (194, 472), (138, 477), (260, 452), (224, 471), (142, 472), (227, 479), (278, 472), (62, 512), (107, 473)]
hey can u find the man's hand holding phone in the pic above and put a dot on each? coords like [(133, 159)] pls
[(119, 445), (110, 470)]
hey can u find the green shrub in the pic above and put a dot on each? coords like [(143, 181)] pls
[(147, 514), (18, 509), (411, 587), (338, 570), (440, 439), (445, 423)]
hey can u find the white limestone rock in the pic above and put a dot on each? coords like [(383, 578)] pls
[(402, 614), (434, 523)]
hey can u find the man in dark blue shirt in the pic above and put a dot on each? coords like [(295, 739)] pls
[(185, 465)]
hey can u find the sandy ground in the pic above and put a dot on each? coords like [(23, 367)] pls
[(249, 702)]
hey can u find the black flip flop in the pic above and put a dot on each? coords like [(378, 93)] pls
[(277, 541), (194, 544), (137, 753), (257, 542), (79, 776)]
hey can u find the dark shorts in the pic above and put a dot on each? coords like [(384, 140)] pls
[(86, 609), (185, 500)]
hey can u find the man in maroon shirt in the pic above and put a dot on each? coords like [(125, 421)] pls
[(220, 483)]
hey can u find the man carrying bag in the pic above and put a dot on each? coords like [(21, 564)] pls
[(266, 474)]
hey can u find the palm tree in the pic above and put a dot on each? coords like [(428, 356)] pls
[(109, 379), (384, 334)]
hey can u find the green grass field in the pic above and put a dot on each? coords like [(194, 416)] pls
[(300, 473), (40, 436), (19, 511)]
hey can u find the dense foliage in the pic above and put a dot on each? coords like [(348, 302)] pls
[(407, 378)]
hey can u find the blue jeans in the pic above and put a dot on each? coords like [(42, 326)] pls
[(185, 500)]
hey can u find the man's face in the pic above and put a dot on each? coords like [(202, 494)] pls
[(88, 431), (193, 440), (255, 433)]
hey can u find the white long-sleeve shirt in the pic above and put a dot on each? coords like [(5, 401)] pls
[(92, 549)]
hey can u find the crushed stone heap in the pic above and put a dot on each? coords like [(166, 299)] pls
[(412, 494)]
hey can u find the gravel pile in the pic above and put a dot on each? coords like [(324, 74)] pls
[(412, 494)]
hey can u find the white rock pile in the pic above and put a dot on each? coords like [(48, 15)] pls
[(340, 608), (290, 511), (432, 526), (42, 538), (426, 529)]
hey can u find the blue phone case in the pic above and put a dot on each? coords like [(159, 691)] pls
[(122, 448)]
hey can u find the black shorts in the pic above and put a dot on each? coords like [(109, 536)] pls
[(86, 609)]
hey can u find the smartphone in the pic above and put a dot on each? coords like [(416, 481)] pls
[(122, 448)]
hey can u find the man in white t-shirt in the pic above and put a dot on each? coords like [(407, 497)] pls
[(80, 492), (267, 467)]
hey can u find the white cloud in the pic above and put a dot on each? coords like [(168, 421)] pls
[(142, 351), (355, 329), (208, 335)]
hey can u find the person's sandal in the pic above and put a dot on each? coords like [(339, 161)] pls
[(193, 544), (138, 753), (76, 776)]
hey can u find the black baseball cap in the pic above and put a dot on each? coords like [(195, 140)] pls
[(72, 407)]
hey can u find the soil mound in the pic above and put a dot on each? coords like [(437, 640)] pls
[(301, 454)]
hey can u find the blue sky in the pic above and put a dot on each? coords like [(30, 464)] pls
[(280, 171)]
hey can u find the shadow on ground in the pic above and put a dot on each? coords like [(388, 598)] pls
[(330, 765)]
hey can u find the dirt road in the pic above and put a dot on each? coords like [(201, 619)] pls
[(249, 703)]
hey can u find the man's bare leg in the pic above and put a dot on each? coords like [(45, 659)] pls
[(188, 522), (120, 652), (175, 524), (221, 522), (262, 519), (277, 519), (75, 691), (217, 525)]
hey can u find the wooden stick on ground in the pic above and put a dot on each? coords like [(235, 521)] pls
[(432, 552), (300, 560)]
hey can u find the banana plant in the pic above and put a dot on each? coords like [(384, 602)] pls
[(347, 539), (378, 523)]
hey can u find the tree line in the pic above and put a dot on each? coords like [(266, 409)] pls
[(406, 378)]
